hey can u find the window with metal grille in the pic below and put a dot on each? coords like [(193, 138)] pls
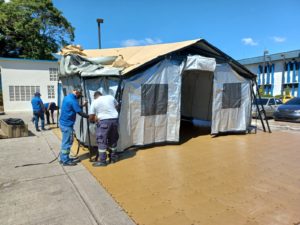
[(22, 93), (51, 92), (17, 93), (232, 95), (11, 93), (53, 72)]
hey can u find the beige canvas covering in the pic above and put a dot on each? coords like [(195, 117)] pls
[(137, 56)]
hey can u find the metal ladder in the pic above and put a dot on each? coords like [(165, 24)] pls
[(261, 111)]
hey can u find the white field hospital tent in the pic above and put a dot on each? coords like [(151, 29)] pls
[(158, 85)]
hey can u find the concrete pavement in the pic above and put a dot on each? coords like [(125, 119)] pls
[(278, 125), (49, 193)]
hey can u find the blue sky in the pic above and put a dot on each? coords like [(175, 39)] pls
[(240, 28)]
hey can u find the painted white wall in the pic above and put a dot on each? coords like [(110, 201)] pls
[(26, 73), (277, 75)]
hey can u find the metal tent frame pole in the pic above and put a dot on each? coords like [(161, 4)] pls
[(88, 122)]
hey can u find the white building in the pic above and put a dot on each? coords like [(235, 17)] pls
[(282, 70), (21, 78)]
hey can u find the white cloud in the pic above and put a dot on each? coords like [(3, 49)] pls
[(249, 41), (278, 39), (146, 41)]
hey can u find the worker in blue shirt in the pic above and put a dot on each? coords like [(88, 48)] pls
[(50, 107), (70, 107), (38, 111)]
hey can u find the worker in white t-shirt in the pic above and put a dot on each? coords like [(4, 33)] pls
[(104, 112)]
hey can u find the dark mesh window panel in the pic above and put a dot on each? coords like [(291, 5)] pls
[(154, 99), (232, 94), (65, 91)]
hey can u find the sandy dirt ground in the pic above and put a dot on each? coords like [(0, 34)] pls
[(249, 179)]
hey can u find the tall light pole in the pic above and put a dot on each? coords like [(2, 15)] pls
[(99, 20), (263, 80)]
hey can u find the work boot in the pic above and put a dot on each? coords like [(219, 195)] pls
[(75, 160), (112, 154), (73, 157), (69, 163), (99, 164), (109, 156), (113, 157), (38, 130), (102, 162)]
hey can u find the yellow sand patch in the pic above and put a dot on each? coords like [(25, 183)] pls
[(237, 179)]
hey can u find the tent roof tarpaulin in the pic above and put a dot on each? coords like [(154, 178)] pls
[(137, 56), (132, 58)]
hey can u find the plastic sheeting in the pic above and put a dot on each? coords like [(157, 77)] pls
[(196, 96), (231, 101), (105, 85), (88, 67), (136, 129), (197, 62)]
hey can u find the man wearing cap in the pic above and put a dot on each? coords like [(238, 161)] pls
[(38, 111), (69, 109), (104, 112)]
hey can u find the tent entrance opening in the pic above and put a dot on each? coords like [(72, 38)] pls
[(196, 99)]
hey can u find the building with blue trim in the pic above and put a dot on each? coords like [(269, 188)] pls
[(281, 71), (21, 78)]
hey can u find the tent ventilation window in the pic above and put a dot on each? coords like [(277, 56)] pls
[(232, 94), (65, 91), (154, 99)]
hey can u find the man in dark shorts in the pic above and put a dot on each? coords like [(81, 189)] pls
[(104, 113)]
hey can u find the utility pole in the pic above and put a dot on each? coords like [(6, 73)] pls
[(99, 20)]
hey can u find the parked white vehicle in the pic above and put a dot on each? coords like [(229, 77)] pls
[(270, 105)]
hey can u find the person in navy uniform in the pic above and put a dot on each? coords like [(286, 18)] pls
[(104, 112), (38, 111), (70, 107), (50, 107)]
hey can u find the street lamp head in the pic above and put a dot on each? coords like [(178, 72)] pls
[(99, 20)]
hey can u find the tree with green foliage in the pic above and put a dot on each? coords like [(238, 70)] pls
[(261, 90), (32, 29)]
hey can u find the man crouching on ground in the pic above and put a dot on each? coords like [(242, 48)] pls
[(104, 112)]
